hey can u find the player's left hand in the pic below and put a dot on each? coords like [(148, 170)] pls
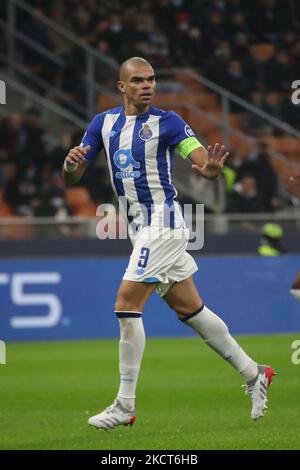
[(216, 158)]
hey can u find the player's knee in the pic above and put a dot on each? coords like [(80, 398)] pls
[(125, 303), (181, 311)]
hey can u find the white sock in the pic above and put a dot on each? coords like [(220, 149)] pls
[(215, 333), (131, 349), (295, 293)]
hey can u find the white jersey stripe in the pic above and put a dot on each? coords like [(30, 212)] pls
[(126, 137), (108, 124)]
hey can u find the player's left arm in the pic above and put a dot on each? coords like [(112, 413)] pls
[(208, 162)]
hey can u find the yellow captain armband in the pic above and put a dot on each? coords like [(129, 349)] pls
[(186, 146)]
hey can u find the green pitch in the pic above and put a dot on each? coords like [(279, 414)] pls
[(188, 398)]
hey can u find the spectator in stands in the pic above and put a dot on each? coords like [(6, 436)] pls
[(271, 240), (34, 146), (38, 63), (57, 155), (74, 66), (3, 48), (210, 193), (51, 201), (244, 198), (273, 104), (82, 24), (103, 75), (238, 25), (174, 33), (20, 189), (171, 33), (253, 124), (257, 165), (281, 73), (235, 81), (11, 137)]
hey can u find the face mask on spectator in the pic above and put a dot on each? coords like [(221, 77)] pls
[(116, 27)]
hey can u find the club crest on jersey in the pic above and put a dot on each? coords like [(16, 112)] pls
[(123, 159), (145, 133)]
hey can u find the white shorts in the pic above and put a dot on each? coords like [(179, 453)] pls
[(159, 256)]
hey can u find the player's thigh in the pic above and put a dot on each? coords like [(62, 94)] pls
[(183, 297), (132, 295)]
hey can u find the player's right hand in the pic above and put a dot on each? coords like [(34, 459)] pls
[(77, 154)]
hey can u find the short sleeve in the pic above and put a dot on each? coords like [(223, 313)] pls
[(93, 137), (176, 129)]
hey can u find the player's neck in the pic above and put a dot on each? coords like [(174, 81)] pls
[(133, 110)]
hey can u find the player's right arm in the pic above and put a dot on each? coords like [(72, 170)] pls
[(78, 158), (75, 164)]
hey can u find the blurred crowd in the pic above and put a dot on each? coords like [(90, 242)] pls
[(31, 181), (30, 171), (213, 36), (248, 184)]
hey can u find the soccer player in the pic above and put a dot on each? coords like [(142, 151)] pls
[(139, 141), (295, 290)]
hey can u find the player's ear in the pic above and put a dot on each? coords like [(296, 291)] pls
[(121, 86)]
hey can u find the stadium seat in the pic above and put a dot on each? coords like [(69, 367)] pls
[(105, 102), (5, 209), (79, 200), (262, 52), (288, 146), (189, 82), (199, 99), (88, 209)]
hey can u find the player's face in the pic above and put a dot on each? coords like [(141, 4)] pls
[(139, 86)]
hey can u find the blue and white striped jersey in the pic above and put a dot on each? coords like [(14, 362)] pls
[(140, 154)]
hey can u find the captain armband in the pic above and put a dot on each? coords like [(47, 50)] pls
[(186, 146)]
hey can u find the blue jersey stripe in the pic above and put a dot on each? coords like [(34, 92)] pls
[(164, 176), (141, 183), (114, 141), (114, 144), (162, 166)]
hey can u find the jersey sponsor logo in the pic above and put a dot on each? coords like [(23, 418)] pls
[(145, 133), (123, 159), (189, 132)]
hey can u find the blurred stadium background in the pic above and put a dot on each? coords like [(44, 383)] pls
[(227, 67)]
